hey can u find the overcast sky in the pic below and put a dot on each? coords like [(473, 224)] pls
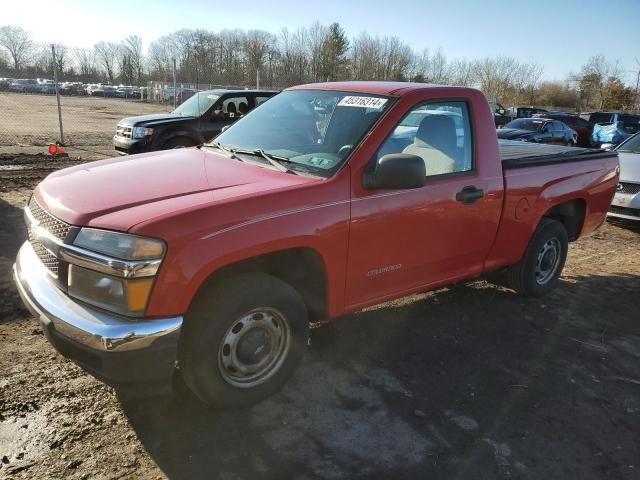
[(559, 34)]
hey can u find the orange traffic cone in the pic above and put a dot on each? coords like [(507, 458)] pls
[(55, 149)]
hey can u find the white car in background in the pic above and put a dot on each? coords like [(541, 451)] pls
[(626, 201)]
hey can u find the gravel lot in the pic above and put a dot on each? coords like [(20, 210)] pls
[(470, 382), (27, 120)]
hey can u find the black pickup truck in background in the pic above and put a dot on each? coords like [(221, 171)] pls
[(196, 121)]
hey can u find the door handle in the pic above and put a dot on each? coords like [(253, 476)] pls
[(469, 195)]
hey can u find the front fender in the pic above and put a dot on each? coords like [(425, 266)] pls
[(322, 226)]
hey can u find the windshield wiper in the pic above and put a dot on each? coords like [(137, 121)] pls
[(219, 146), (274, 160)]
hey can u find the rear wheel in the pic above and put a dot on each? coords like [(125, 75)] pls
[(538, 271), (243, 340)]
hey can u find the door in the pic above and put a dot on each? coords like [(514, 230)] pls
[(405, 240), (226, 111)]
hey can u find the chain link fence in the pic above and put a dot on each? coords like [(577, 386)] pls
[(88, 112)]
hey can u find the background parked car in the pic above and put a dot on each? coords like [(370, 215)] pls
[(182, 94), (630, 123), (528, 112), (103, 91), (23, 85), (46, 86), (582, 128), (501, 115), (538, 130), (72, 88), (194, 122), (5, 82), (626, 201)]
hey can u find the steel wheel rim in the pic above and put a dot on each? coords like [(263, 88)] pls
[(254, 348), (547, 261)]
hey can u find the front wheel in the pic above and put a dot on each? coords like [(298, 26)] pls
[(540, 267), (243, 340)]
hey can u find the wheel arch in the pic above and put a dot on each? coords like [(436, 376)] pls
[(189, 135), (308, 277), (571, 214)]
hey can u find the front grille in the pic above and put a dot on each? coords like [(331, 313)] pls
[(123, 131), (631, 212), (48, 260), (626, 187), (56, 227)]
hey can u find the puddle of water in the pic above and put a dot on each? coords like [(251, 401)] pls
[(13, 167)]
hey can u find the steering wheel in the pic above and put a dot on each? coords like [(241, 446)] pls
[(344, 150)]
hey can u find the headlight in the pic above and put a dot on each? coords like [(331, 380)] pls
[(119, 245), (90, 282), (125, 296), (141, 132)]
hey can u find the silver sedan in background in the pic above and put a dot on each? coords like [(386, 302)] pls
[(626, 201)]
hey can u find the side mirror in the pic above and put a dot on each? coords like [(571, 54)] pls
[(396, 171), (218, 114)]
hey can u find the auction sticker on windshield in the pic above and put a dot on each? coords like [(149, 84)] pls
[(363, 102)]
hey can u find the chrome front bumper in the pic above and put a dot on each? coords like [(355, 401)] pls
[(625, 205), (111, 347)]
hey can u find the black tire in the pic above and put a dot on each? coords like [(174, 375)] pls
[(214, 319), (526, 277), (179, 142)]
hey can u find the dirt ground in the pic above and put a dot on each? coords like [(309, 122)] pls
[(470, 382), (27, 120)]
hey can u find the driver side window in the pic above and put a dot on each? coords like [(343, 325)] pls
[(439, 133)]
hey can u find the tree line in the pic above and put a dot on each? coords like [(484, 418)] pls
[(316, 53)]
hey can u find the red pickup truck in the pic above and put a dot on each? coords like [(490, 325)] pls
[(214, 261)]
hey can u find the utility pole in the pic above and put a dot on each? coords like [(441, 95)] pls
[(55, 79), (635, 96), (257, 78), (175, 92)]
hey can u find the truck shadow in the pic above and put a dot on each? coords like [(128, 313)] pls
[(468, 382), (12, 234)]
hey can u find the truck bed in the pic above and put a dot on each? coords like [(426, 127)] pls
[(514, 154)]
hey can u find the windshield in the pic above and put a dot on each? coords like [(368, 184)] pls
[(631, 145), (525, 124), (314, 130), (196, 105)]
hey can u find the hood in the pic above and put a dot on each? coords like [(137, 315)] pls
[(110, 193), (629, 166), (143, 120), (511, 133)]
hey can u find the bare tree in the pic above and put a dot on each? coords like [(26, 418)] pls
[(495, 76), (257, 45), (18, 43), (462, 73), (107, 56), (132, 50), (85, 62), (597, 74), (532, 74), (317, 35)]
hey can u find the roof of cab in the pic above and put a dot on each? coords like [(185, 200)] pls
[(224, 91), (372, 87)]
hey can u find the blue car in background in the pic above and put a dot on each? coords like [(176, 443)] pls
[(612, 128)]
